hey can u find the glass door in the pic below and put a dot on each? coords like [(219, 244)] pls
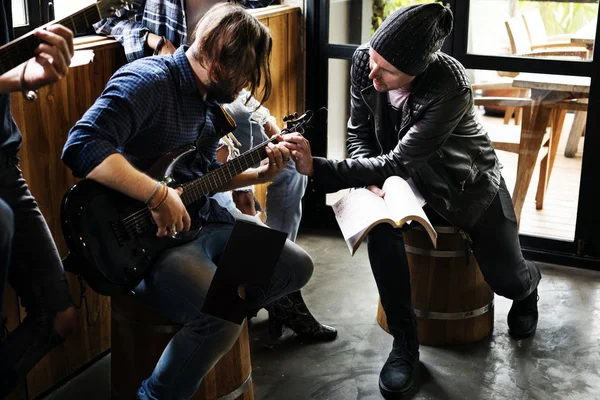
[(539, 51)]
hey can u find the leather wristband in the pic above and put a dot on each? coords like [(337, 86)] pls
[(29, 95), (159, 45)]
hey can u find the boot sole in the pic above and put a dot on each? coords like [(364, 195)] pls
[(399, 395)]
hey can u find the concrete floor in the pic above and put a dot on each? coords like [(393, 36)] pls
[(561, 361)]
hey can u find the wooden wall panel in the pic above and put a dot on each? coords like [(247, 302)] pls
[(45, 125), (287, 68)]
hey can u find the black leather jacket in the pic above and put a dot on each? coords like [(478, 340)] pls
[(440, 144)]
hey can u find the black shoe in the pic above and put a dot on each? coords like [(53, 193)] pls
[(398, 375), (523, 316), (291, 311)]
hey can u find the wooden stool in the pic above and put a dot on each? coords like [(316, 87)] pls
[(139, 335), (452, 302)]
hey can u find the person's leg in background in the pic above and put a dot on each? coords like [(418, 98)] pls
[(283, 213), (498, 252), (177, 288), (39, 280)]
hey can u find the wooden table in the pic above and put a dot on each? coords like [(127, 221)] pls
[(545, 90)]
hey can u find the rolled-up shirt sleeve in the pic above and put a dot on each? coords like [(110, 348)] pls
[(128, 102)]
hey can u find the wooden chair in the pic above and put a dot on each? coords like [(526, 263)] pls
[(538, 36), (508, 138), (520, 44), (557, 119), (503, 86)]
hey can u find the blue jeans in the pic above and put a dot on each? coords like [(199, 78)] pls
[(177, 287), (284, 195)]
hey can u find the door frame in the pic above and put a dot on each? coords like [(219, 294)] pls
[(584, 251)]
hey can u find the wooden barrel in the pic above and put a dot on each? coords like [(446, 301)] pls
[(452, 302), (139, 335)]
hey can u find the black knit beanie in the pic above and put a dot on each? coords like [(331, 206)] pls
[(410, 37)]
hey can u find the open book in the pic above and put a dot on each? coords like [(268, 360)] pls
[(360, 210)]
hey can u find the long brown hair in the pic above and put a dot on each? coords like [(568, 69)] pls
[(236, 46)]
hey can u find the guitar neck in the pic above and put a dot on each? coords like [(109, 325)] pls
[(194, 190), (22, 49)]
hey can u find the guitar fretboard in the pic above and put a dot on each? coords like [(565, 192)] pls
[(22, 49), (194, 190)]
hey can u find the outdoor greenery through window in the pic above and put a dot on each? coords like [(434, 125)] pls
[(541, 29)]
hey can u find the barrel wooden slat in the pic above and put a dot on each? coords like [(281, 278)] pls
[(139, 335), (452, 301)]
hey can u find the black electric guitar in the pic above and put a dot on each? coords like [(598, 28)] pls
[(22, 49), (112, 238)]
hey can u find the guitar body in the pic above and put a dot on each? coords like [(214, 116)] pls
[(112, 250)]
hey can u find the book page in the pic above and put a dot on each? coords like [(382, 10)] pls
[(357, 210), (404, 206)]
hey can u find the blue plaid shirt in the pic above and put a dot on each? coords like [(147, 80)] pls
[(161, 17), (150, 107)]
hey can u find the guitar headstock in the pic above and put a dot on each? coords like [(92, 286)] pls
[(108, 8), (295, 123)]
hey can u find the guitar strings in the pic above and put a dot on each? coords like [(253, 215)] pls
[(142, 219)]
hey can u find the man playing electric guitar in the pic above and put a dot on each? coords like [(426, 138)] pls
[(153, 106)]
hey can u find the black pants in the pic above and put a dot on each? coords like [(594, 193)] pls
[(35, 272), (495, 244)]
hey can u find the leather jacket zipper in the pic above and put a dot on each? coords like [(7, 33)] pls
[(371, 116), (464, 181)]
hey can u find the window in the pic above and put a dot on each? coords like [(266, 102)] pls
[(63, 8), (29, 14), (19, 12)]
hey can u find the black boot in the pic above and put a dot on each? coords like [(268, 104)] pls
[(398, 374), (523, 316), (291, 311)]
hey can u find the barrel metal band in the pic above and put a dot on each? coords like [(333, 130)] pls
[(434, 253), (455, 316), (239, 391), (150, 327)]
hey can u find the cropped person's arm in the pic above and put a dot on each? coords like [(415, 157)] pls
[(50, 62)]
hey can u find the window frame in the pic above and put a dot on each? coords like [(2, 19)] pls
[(39, 12)]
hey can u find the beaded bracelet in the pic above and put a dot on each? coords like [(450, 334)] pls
[(161, 200)]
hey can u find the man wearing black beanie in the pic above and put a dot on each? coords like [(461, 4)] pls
[(412, 115)]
